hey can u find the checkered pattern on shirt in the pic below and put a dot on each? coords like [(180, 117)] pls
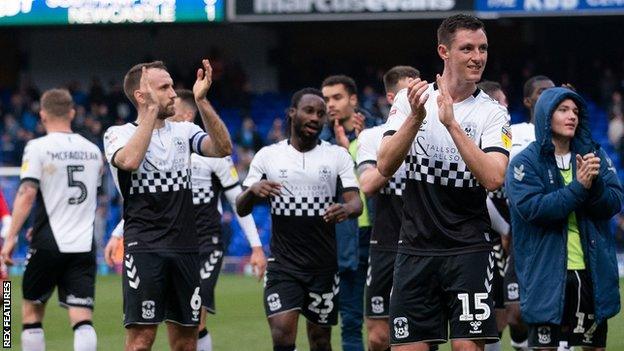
[(498, 194), (202, 195), (395, 186), (440, 173), (300, 206), (160, 182)]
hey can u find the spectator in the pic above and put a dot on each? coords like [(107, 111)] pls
[(247, 137), (276, 133)]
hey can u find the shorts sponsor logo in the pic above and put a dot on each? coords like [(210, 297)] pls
[(148, 309), (512, 291), (377, 304), (274, 302), (543, 335), (131, 272), (83, 301), (195, 304), (210, 264), (475, 327), (401, 328)]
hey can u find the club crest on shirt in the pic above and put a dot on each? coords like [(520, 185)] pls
[(179, 144), (324, 173), (471, 129)]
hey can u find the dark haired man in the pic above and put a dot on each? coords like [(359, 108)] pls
[(150, 162), (300, 178), (386, 191), (455, 142)]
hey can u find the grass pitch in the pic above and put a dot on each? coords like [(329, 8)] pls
[(238, 325)]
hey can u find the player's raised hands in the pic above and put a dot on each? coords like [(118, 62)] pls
[(417, 98), (147, 94), (266, 188), (204, 80), (445, 103), (336, 213), (340, 134), (587, 169)]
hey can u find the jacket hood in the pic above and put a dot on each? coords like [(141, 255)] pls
[(548, 101)]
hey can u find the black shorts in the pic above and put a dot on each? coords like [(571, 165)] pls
[(379, 283), (210, 261), (498, 289), (430, 293), (315, 295), (73, 273), (577, 323), (512, 290), (159, 286)]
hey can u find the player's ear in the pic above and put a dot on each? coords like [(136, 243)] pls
[(43, 115), (72, 114), (138, 97), (443, 51), (526, 102), (291, 112), (390, 98), (353, 100)]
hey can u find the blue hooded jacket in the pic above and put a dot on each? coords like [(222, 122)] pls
[(540, 204)]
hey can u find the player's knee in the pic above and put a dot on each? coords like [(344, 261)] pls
[(513, 316), (283, 335), (467, 345), (320, 339), (140, 340), (378, 341), (32, 312), (185, 344), (322, 344)]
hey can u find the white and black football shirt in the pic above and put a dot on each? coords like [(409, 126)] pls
[(444, 211), (210, 177), (388, 202), (158, 202), (68, 169), (301, 240)]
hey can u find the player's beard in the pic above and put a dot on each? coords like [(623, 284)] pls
[(305, 137), (166, 112)]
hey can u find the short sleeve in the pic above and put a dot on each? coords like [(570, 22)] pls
[(257, 169), (367, 150), (196, 137), (399, 112), (496, 135), (32, 162), (346, 172), (114, 140), (226, 172)]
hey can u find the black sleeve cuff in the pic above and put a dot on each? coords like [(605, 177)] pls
[(367, 162), (28, 179), (226, 188), (351, 188), (497, 149), (389, 132)]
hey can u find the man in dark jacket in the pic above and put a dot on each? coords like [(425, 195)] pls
[(563, 189)]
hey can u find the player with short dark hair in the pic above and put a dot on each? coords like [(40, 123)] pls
[(455, 142), (61, 173), (150, 162), (386, 191), (300, 177)]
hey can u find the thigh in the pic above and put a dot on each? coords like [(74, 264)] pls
[(282, 292), (379, 284), (76, 287), (183, 289), (43, 268), (579, 312), (416, 310), (320, 305), (468, 288), (144, 282), (210, 262)]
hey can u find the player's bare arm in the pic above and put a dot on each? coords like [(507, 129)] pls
[(394, 148), (488, 167), (258, 191), (219, 144), (351, 208), (129, 157), (371, 181), (24, 200)]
